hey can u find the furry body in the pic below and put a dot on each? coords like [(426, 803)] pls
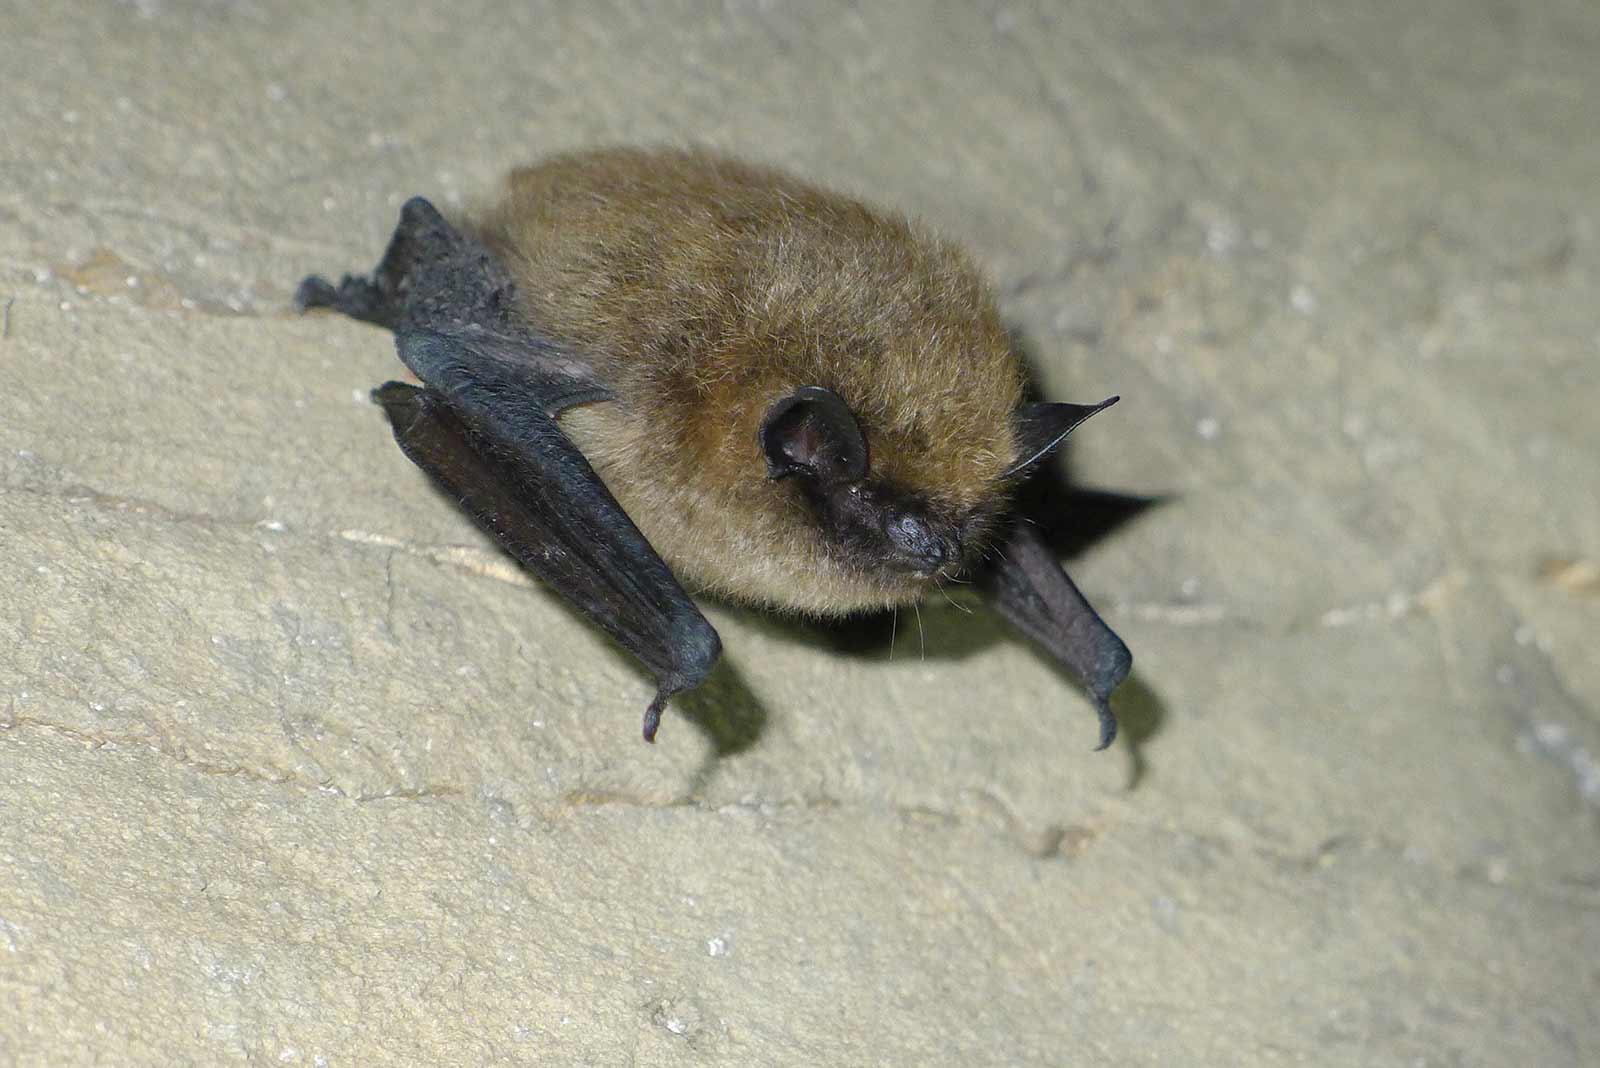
[(788, 397), (704, 289)]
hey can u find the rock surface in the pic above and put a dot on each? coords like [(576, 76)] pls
[(298, 771)]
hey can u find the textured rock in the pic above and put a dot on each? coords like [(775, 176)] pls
[(298, 771)]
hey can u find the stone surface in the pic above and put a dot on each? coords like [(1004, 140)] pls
[(298, 771)]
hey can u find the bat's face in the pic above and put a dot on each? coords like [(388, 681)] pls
[(878, 526), (812, 438)]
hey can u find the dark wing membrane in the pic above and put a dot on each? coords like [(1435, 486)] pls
[(527, 486), (484, 428), (482, 372), (448, 299), (1028, 587)]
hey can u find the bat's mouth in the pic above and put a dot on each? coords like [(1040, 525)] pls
[(928, 580), (885, 529)]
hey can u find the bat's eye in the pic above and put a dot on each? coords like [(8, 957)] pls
[(812, 433)]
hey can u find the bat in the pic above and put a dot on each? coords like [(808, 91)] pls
[(639, 358)]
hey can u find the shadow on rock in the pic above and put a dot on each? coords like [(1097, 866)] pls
[(1140, 716), (725, 710)]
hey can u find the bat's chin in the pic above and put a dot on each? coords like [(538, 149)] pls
[(896, 588), (844, 591), (922, 576), (855, 581)]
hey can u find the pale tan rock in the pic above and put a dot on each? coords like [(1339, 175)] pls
[(297, 771)]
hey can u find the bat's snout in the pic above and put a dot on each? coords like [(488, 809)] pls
[(920, 543)]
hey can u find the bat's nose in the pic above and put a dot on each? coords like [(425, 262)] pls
[(926, 548)]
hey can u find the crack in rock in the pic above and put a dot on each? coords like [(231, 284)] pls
[(272, 776)]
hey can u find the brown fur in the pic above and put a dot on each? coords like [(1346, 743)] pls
[(705, 289)]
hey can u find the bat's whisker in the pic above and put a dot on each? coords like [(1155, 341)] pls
[(951, 601)]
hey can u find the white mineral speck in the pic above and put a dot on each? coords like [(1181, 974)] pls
[(1222, 237), (1551, 735)]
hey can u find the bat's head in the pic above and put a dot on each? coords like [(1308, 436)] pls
[(812, 438)]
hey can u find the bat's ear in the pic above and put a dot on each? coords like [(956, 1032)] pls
[(813, 433), (1041, 428)]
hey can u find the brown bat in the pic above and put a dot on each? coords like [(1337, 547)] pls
[(795, 400)]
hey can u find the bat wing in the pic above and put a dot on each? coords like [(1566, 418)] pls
[(1028, 587), (483, 427)]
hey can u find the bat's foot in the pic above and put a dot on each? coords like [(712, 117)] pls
[(354, 296)]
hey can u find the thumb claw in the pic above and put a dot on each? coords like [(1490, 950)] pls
[(1108, 722), (652, 716)]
